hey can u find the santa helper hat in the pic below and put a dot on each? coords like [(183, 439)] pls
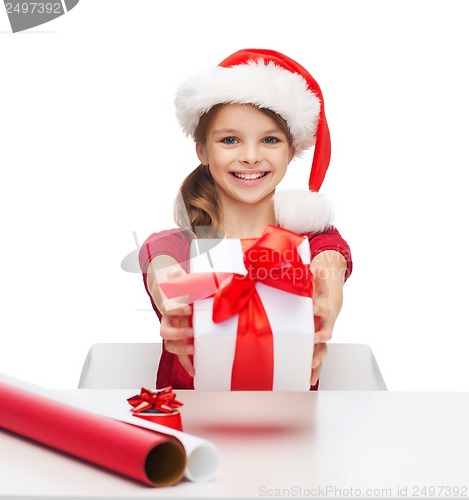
[(269, 79)]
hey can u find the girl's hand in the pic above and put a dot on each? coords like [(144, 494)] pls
[(178, 335), (176, 314), (328, 269), (323, 322)]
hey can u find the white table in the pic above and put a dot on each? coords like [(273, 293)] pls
[(354, 445)]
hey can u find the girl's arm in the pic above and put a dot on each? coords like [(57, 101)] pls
[(176, 314), (328, 268)]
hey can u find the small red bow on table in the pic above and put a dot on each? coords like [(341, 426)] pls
[(163, 400)]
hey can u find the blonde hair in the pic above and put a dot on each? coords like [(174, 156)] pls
[(197, 207)]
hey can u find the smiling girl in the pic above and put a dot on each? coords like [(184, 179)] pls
[(249, 117)]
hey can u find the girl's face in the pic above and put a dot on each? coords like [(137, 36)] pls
[(247, 154)]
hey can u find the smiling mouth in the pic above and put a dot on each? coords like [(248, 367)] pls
[(249, 177)]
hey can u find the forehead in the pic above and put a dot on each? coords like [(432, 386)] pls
[(244, 116)]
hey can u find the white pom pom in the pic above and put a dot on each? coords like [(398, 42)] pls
[(302, 211)]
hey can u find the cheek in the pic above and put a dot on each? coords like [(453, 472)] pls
[(281, 160), (221, 158)]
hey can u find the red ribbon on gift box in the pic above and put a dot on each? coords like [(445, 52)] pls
[(274, 261), (163, 400)]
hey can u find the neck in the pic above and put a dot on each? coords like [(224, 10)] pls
[(247, 221)]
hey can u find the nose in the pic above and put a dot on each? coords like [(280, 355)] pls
[(251, 154)]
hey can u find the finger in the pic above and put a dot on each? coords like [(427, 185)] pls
[(320, 352), (175, 320), (315, 374), (321, 308), (186, 362), (174, 302), (180, 310), (322, 335), (179, 347), (170, 333)]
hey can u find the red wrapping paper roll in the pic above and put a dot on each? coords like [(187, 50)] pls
[(149, 457)]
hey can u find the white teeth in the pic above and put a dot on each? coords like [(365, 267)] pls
[(249, 177)]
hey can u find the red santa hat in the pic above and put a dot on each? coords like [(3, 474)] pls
[(269, 79)]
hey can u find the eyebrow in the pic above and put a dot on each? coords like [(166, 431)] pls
[(234, 131), (226, 131)]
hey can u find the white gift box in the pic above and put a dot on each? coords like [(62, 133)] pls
[(291, 320)]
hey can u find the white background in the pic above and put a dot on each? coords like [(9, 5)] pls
[(90, 152)]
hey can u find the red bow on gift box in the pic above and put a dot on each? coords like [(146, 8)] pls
[(163, 400)]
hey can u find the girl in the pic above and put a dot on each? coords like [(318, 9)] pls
[(248, 117)]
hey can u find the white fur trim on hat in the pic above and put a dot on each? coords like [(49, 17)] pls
[(303, 211), (264, 85)]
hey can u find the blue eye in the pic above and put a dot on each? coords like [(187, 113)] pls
[(271, 140), (229, 140)]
